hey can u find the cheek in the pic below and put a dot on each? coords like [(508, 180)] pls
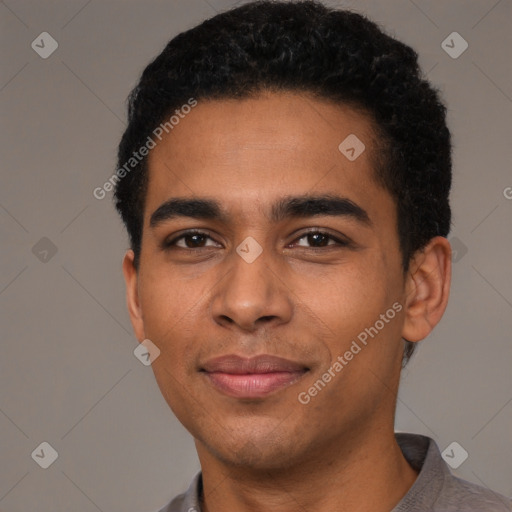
[(346, 296), (165, 298), (168, 308), (357, 305)]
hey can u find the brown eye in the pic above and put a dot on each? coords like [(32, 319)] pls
[(191, 240), (318, 239)]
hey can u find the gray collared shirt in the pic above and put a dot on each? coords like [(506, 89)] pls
[(435, 488)]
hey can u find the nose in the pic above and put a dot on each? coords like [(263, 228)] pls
[(251, 295)]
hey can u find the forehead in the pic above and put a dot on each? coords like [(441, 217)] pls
[(251, 152)]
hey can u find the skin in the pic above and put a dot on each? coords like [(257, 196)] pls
[(296, 301)]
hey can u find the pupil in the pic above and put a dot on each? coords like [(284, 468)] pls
[(195, 240), (318, 239)]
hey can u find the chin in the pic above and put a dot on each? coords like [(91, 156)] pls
[(255, 451)]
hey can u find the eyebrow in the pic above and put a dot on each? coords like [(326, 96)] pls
[(287, 207)]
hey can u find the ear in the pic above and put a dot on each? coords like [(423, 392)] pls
[(132, 295), (427, 289)]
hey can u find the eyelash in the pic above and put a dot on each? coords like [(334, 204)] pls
[(171, 244)]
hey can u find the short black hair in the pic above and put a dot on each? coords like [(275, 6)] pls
[(304, 47)]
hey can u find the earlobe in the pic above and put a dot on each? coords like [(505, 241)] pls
[(132, 295), (427, 289)]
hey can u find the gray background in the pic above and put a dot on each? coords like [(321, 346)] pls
[(68, 375)]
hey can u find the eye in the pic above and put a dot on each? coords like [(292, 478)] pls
[(190, 240), (196, 239), (319, 239)]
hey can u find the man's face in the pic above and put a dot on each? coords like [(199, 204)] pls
[(325, 274)]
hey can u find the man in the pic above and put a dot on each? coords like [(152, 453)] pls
[(284, 180)]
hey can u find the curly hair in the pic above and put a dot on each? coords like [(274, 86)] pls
[(331, 54)]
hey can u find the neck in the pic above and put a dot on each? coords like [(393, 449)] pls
[(358, 474)]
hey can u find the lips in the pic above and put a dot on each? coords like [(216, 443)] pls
[(253, 377)]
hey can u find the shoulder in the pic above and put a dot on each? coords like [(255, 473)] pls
[(462, 496), (175, 505), (436, 489), (187, 501)]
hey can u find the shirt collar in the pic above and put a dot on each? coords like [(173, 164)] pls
[(422, 453)]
